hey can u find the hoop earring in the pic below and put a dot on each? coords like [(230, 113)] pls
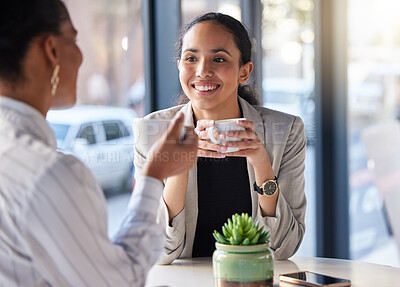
[(55, 79)]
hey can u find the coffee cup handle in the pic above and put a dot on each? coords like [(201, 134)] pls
[(211, 135)]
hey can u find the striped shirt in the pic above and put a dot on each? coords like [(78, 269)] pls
[(53, 216)]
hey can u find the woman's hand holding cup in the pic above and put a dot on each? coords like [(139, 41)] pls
[(206, 147), (250, 145), (213, 139), (233, 137)]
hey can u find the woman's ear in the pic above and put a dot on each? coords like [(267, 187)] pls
[(245, 72), (51, 49), (178, 63)]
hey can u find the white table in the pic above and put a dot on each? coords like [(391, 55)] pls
[(197, 272)]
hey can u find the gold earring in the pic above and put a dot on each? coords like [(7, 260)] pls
[(55, 79)]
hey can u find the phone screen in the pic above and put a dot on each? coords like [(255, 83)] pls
[(315, 278)]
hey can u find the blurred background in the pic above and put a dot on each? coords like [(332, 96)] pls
[(124, 54)]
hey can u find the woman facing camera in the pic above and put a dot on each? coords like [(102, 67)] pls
[(263, 177)]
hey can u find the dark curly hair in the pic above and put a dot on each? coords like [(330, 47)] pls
[(20, 22), (242, 40)]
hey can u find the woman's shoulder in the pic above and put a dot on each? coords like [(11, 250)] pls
[(260, 113), (274, 120), (277, 124), (274, 114), (266, 114), (165, 114)]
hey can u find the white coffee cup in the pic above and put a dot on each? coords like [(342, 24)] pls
[(224, 126), (148, 131)]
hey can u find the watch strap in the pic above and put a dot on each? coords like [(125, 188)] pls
[(257, 188)]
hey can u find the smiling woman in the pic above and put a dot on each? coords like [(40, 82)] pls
[(210, 71), (214, 61), (240, 40)]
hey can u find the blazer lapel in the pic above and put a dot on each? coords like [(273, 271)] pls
[(191, 201), (188, 112)]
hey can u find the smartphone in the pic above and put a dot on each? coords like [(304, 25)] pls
[(313, 279)]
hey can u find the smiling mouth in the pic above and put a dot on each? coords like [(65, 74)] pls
[(205, 88)]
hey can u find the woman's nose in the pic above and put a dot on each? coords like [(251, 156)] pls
[(203, 69)]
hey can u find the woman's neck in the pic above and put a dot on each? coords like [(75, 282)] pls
[(28, 94), (219, 113)]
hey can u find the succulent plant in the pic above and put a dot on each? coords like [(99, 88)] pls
[(240, 230)]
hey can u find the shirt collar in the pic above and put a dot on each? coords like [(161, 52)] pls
[(26, 118)]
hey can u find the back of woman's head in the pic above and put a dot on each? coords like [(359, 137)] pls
[(242, 41), (20, 22)]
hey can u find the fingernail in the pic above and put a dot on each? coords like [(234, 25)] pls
[(221, 136), (223, 148), (230, 133)]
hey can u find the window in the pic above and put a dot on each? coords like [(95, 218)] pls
[(288, 83), (193, 8), (127, 130), (110, 35), (374, 153), (112, 131), (87, 133), (60, 132)]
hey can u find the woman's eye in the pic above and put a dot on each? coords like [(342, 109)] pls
[(190, 59), (219, 60)]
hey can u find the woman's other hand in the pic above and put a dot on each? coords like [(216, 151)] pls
[(250, 146)]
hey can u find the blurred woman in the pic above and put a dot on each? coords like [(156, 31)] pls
[(265, 178), (53, 215)]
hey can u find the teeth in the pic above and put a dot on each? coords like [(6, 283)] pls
[(205, 88)]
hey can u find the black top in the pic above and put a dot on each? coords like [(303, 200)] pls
[(223, 190)]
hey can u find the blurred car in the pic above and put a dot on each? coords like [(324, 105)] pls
[(135, 97), (293, 96), (102, 138)]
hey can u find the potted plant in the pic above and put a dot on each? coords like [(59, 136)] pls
[(242, 256)]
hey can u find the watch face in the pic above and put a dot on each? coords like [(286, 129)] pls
[(270, 188)]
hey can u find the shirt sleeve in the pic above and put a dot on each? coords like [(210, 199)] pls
[(174, 229), (287, 227), (66, 234)]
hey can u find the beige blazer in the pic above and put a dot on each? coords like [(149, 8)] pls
[(284, 139)]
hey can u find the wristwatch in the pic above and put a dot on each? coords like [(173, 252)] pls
[(268, 188)]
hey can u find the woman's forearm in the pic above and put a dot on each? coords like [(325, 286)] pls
[(175, 193), (267, 204)]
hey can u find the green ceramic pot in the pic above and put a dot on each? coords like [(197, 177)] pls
[(243, 265)]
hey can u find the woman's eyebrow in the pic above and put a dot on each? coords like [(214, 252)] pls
[(191, 50), (212, 51), (220, 50)]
